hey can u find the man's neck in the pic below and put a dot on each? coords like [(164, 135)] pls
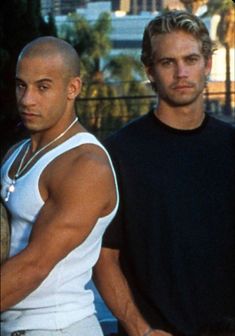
[(55, 135), (184, 118)]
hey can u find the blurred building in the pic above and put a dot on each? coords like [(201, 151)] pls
[(138, 6), (173, 4), (60, 7), (127, 30), (135, 6), (121, 5)]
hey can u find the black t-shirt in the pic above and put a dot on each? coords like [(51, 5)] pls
[(175, 227)]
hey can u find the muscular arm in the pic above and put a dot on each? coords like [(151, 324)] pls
[(114, 288), (80, 190)]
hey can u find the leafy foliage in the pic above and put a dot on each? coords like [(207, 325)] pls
[(226, 36), (225, 29), (216, 6), (105, 77)]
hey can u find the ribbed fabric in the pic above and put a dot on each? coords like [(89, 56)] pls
[(61, 299)]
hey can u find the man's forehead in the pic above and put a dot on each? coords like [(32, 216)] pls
[(39, 68), (38, 64), (175, 43), (181, 34)]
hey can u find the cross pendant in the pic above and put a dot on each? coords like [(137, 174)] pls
[(10, 190)]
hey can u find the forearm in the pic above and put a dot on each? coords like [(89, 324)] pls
[(114, 288), (19, 277)]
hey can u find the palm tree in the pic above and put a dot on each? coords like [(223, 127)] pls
[(129, 72), (226, 37), (225, 34), (105, 77), (92, 41), (121, 76)]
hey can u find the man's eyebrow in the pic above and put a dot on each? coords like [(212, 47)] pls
[(173, 58), (18, 79), (165, 58), (38, 81), (193, 55), (44, 80)]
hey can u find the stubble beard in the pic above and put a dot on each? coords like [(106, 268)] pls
[(178, 99)]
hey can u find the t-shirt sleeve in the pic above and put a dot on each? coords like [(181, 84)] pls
[(113, 235)]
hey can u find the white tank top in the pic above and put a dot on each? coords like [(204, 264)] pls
[(62, 298)]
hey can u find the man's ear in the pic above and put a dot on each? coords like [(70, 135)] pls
[(208, 65), (74, 88)]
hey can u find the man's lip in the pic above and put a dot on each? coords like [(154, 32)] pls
[(28, 114), (179, 87)]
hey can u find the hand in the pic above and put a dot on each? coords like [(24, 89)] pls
[(158, 332)]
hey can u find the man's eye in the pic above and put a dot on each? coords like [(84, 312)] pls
[(20, 86), (192, 60), (167, 63), (43, 87)]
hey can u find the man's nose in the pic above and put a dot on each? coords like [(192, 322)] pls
[(181, 70), (27, 97)]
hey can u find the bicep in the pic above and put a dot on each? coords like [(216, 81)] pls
[(71, 211)]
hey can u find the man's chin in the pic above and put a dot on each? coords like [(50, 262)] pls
[(180, 101)]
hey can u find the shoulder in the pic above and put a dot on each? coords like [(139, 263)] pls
[(83, 173), (221, 135), (91, 156), (220, 124), (85, 161), (221, 129)]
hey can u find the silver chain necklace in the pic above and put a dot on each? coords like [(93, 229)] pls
[(20, 170)]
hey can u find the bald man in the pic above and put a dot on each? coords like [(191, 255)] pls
[(60, 189)]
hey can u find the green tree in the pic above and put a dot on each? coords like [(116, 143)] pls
[(129, 72), (104, 77), (92, 42), (49, 27), (225, 34), (226, 37), (99, 109)]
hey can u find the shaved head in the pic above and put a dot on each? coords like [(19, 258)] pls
[(49, 46)]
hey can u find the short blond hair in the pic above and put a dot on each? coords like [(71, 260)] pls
[(173, 21)]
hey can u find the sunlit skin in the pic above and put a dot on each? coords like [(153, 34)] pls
[(179, 71), (44, 95)]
